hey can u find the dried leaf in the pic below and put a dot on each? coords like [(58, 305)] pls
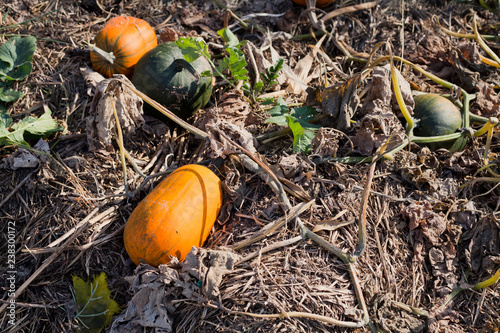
[(221, 131), (379, 109), (485, 241), (444, 265), (488, 101), (101, 121), (326, 142), (209, 266), (339, 101), (424, 223)]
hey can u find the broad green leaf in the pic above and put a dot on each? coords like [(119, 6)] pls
[(28, 128), (304, 113), (302, 136), (9, 95), (229, 37), (278, 113), (95, 307), (5, 123), (15, 58)]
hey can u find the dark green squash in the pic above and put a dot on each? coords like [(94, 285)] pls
[(164, 75), (436, 115)]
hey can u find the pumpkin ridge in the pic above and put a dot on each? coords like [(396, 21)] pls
[(123, 47)]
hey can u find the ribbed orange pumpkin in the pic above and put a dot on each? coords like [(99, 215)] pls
[(319, 3), (120, 44), (177, 215)]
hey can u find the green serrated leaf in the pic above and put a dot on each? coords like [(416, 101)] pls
[(9, 95), (28, 128), (192, 48), (15, 58), (95, 307), (230, 39)]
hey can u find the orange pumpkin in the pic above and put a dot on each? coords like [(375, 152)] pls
[(177, 215), (120, 44), (319, 3)]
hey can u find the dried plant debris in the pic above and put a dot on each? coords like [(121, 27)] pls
[(426, 226), (223, 135), (101, 124), (158, 292), (23, 158), (394, 320), (379, 110), (484, 249), (231, 107), (340, 102)]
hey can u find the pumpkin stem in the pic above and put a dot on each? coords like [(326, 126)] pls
[(181, 64), (108, 56)]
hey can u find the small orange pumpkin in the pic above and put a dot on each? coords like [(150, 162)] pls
[(319, 3), (177, 215), (120, 44)]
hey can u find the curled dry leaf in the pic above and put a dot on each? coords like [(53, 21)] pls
[(424, 223), (488, 101), (231, 107), (101, 121), (444, 265), (209, 266), (379, 110), (326, 142), (222, 132), (339, 101)]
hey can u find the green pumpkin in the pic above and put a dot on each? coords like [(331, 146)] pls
[(436, 115), (164, 75)]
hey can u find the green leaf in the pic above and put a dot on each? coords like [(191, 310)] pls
[(230, 39), (9, 95), (304, 113), (15, 58), (303, 134), (95, 307), (271, 74), (28, 128), (192, 48)]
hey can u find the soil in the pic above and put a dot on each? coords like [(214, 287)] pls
[(431, 217)]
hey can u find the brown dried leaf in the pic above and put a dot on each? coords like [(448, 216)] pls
[(231, 107), (444, 265), (339, 101), (326, 142), (421, 215), (380, 120), (149, 307), (488, 101), (101, 120), (222, 132), (209, 266), (424, 223), (485, 241), (154, 289)]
